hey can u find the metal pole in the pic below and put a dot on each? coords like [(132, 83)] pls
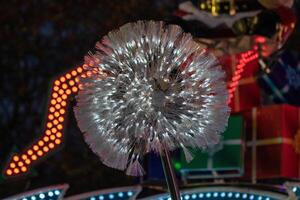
[(170, 175)]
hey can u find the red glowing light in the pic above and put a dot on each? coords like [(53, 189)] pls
[(53, 130), (12, 165), (68, 76), (57, 141), (243, 61), (63, 103), (16, 158), (40, 153), (59, 127), (55, 122), (16, 171), (49, 124), (51, 109), (68, 92), (48, 132), (20, 163), (35, 147), (50, 117), (64, 96), (57, 106), (45, 149), (71, 83), (30, 152), (53, 102), (23, 169), (260, 39), (57, 82), (61, 91), (79, 70), (51, 145), (58, 134), (62, 79), (52, 137), (62, 111), (74, 89), (55, 88), (41, 143), (60, 119), (54, 95), (46, 139), (9, 172), (56, 114), (64, 86)]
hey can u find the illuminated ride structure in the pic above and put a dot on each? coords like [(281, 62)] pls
[(65, 86)]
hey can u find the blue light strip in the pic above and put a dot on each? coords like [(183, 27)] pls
[(121, 193), (115, 195), (213, 195), (54, 192), (46, 195), (219, 195)]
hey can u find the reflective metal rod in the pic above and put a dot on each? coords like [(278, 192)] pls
[(170, 175)]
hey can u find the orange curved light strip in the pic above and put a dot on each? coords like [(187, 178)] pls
[(62, 88)]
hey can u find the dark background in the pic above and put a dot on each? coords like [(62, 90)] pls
[(41, 39)]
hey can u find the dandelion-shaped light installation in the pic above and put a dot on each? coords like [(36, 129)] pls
[(151, 88)]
